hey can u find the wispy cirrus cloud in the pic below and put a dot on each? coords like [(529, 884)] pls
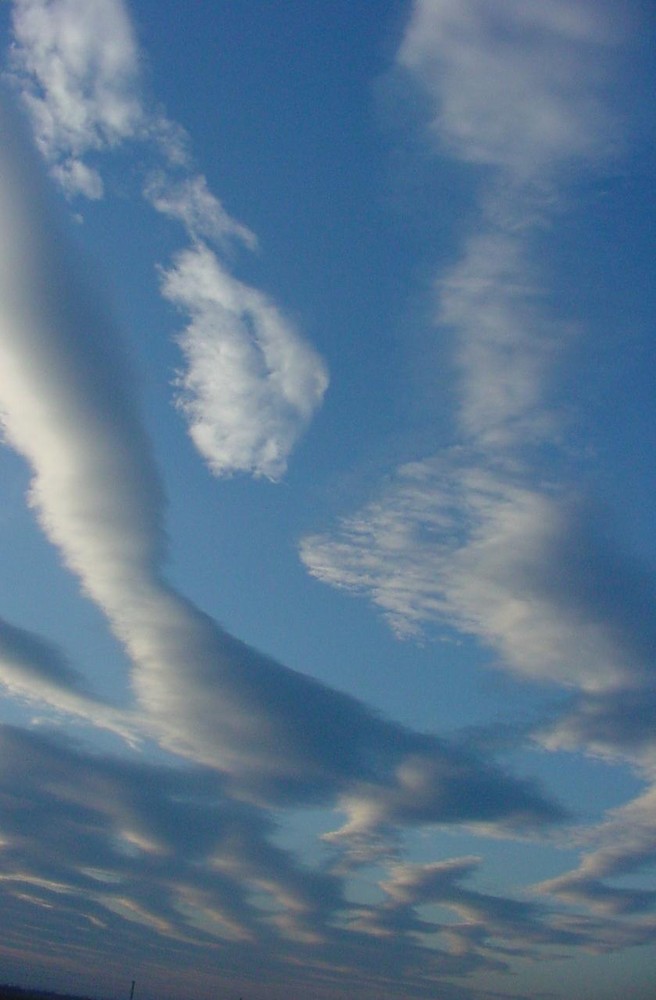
[(190, 201), (77, 68), (528, 572), (477, 539)]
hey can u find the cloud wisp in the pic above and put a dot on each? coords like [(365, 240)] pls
[(35, 671), (77, 68)]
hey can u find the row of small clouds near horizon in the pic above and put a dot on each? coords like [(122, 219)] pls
[(464, 538)]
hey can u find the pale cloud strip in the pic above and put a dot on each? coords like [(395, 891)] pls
[(625, 846), (77, 65)]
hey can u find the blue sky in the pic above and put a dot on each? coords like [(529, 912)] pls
[(327, 377)]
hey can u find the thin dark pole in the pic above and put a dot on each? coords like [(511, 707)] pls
[(132, 989)]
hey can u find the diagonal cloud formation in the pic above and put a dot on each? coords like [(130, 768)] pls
[(37, 671), (278, 736)]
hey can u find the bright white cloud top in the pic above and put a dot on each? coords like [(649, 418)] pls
[(420, 792)]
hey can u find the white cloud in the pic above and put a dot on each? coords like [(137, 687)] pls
[(520, 569), (191, 202), (475, 540), (514, 85), (251, 384), (78, 66)]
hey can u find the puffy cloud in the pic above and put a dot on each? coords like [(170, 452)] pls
[(251, 384)]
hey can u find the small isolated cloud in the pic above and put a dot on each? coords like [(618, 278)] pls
[(77, 63), (251, 384)]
